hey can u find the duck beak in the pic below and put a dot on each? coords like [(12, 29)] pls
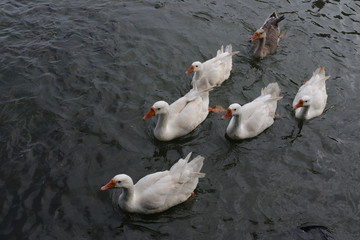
[(299, 104), (190, 69), (150, 113), (255, 37), (227, 114), (109, 185)]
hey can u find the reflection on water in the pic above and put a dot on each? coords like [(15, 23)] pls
[(76, 79)]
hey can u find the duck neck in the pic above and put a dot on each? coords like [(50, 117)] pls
[(127, 197), (236, 122), (162, 123), (198, 74), (128, 193), (303, 111), (196, 78), (260, 47), (201, 83)]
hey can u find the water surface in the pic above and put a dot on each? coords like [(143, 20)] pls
[(77, 77)]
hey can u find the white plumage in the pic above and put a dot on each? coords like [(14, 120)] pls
[(253, 118), (214, 71), (159, 191), (310, 100), (181, 117)]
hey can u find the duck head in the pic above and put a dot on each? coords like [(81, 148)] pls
[(303, 102), (233, 110), (195, 66), (259, 34), (119, 181), (160, 107)]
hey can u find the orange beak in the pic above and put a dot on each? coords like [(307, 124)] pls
[(255, 36), (299, 104), (109, 185), (227, 114), (190, 69), (150, 113)]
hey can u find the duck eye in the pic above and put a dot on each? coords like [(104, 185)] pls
[(119, 181), (158, 109)]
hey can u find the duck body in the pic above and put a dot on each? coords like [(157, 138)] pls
[(253, 118), (310, 100), (265, 40), (159, 191), (214, 71), (181, 117)]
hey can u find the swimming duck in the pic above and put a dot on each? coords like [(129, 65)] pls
[(265, 40), (159, 191), (182, 116), (310, 100), (214, 71), (253, 118)]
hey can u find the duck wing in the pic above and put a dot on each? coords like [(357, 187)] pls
[(193, 113), (168, 188), (272, 30), (273, 20), (314, 88), (259, 114)]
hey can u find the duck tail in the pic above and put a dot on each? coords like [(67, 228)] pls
[(274, 99), (228, 49), (220, 51), (273, 89), (178, 168), (198, 174), (320, 74), (196, 164), (273, 15), (187, 158), (279, 19)]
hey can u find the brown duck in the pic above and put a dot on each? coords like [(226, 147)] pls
[(265, 40)]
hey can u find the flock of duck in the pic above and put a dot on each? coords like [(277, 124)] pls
[(162, 190)]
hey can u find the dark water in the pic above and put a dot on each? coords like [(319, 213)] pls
[(77, 76)]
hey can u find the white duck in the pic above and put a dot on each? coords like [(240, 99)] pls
[(213, 72), (182, 116), (310, 100), (253, 118), (159, 191)]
